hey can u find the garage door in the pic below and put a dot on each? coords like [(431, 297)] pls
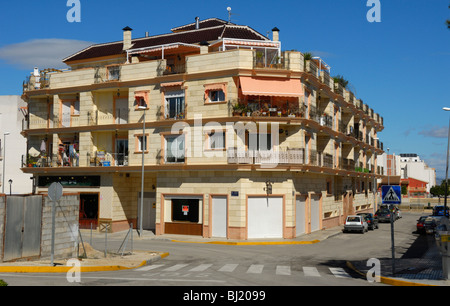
[(219, 217), (315, 213), (149, 211), (265, 217), (300, 216)]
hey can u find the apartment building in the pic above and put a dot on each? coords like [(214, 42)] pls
[(13, 146), (234, 137)]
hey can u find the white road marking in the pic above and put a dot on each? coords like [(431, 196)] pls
[(311, 271), (255, 269), (283, 270), (228, 268)]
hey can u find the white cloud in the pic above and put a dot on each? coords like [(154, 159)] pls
[(42, 53), (435, 131)]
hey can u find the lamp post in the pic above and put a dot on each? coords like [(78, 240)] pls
[(446, 167), (144, 145), (4, 160)]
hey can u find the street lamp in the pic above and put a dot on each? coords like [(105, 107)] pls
[(4, 159), (446, 167), (144, 145)]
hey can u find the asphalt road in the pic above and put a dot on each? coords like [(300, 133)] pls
[(197, 265)]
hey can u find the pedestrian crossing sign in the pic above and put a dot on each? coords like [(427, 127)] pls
[(391, 194)]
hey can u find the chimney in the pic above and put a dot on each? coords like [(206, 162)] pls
[(275, 34), (127, 38), (204, 47), (197, 23)]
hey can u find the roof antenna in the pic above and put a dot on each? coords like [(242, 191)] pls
[(229, 14)]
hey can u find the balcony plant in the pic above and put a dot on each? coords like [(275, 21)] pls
[(238, 109)]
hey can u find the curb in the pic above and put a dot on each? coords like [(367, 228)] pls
[(250, 243), (65, 269), (390, 281)]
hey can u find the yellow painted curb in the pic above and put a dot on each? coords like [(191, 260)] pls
[(252, 243), (390, 281), (65, 269)]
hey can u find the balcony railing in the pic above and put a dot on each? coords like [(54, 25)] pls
[(95, 159), (255, 157)]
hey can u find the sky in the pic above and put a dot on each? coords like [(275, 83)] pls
[(399, 66)]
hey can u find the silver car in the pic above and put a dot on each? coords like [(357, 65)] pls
[(356, 224)]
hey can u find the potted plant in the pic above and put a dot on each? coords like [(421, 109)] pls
[(259, 59)]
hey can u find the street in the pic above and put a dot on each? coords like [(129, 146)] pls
[(189, 264)]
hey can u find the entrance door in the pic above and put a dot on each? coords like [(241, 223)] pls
[(149, 212), (300, 219), (315, 213), (65, 114), (265, 217), (88, 210), (121, 111), (219, 217), (121, 158)]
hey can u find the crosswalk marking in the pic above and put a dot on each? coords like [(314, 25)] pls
[(339, 272), (148, 268), (176, 267), (228, 268), (200, 268), (311, 271), (252, 269), (283, 270), (256, 269)]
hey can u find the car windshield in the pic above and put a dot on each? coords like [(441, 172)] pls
[(353, 219)]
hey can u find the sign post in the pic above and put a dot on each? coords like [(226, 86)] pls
[(391, 195), (55, 192)]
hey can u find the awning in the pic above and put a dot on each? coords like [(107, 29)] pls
[(274, 87)]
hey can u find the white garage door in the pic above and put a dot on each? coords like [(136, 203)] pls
[(300, 216), (219, 217), (265, 217)]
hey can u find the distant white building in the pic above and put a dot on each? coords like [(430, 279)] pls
[(411, 166), (12, 146)]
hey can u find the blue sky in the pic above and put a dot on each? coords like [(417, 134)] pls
[(399, 66)]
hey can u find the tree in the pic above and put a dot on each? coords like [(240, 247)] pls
[(437, 191)]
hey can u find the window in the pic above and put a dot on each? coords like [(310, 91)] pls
[(141, 143), (216, 96), (215, 93), (113, 73), (216, 140), (174, 150), (261, 142), (141, 99), (186, 210), (175, 107)]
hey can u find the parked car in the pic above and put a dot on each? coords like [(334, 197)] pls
[(420, 226), (356, 224), (397, 212), (383, 215), (433, 224), (438, 210), (372, 220)]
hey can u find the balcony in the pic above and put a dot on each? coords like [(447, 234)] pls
[(256, 106), (95, 159), (256, 157)]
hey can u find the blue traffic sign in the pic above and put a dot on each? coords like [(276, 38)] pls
[(391, 194)]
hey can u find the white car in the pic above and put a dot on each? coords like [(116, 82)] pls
[(356, 224)]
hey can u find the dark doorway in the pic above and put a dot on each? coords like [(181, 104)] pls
[(88, 210)]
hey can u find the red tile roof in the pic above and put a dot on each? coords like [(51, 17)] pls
[(209, 34)]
